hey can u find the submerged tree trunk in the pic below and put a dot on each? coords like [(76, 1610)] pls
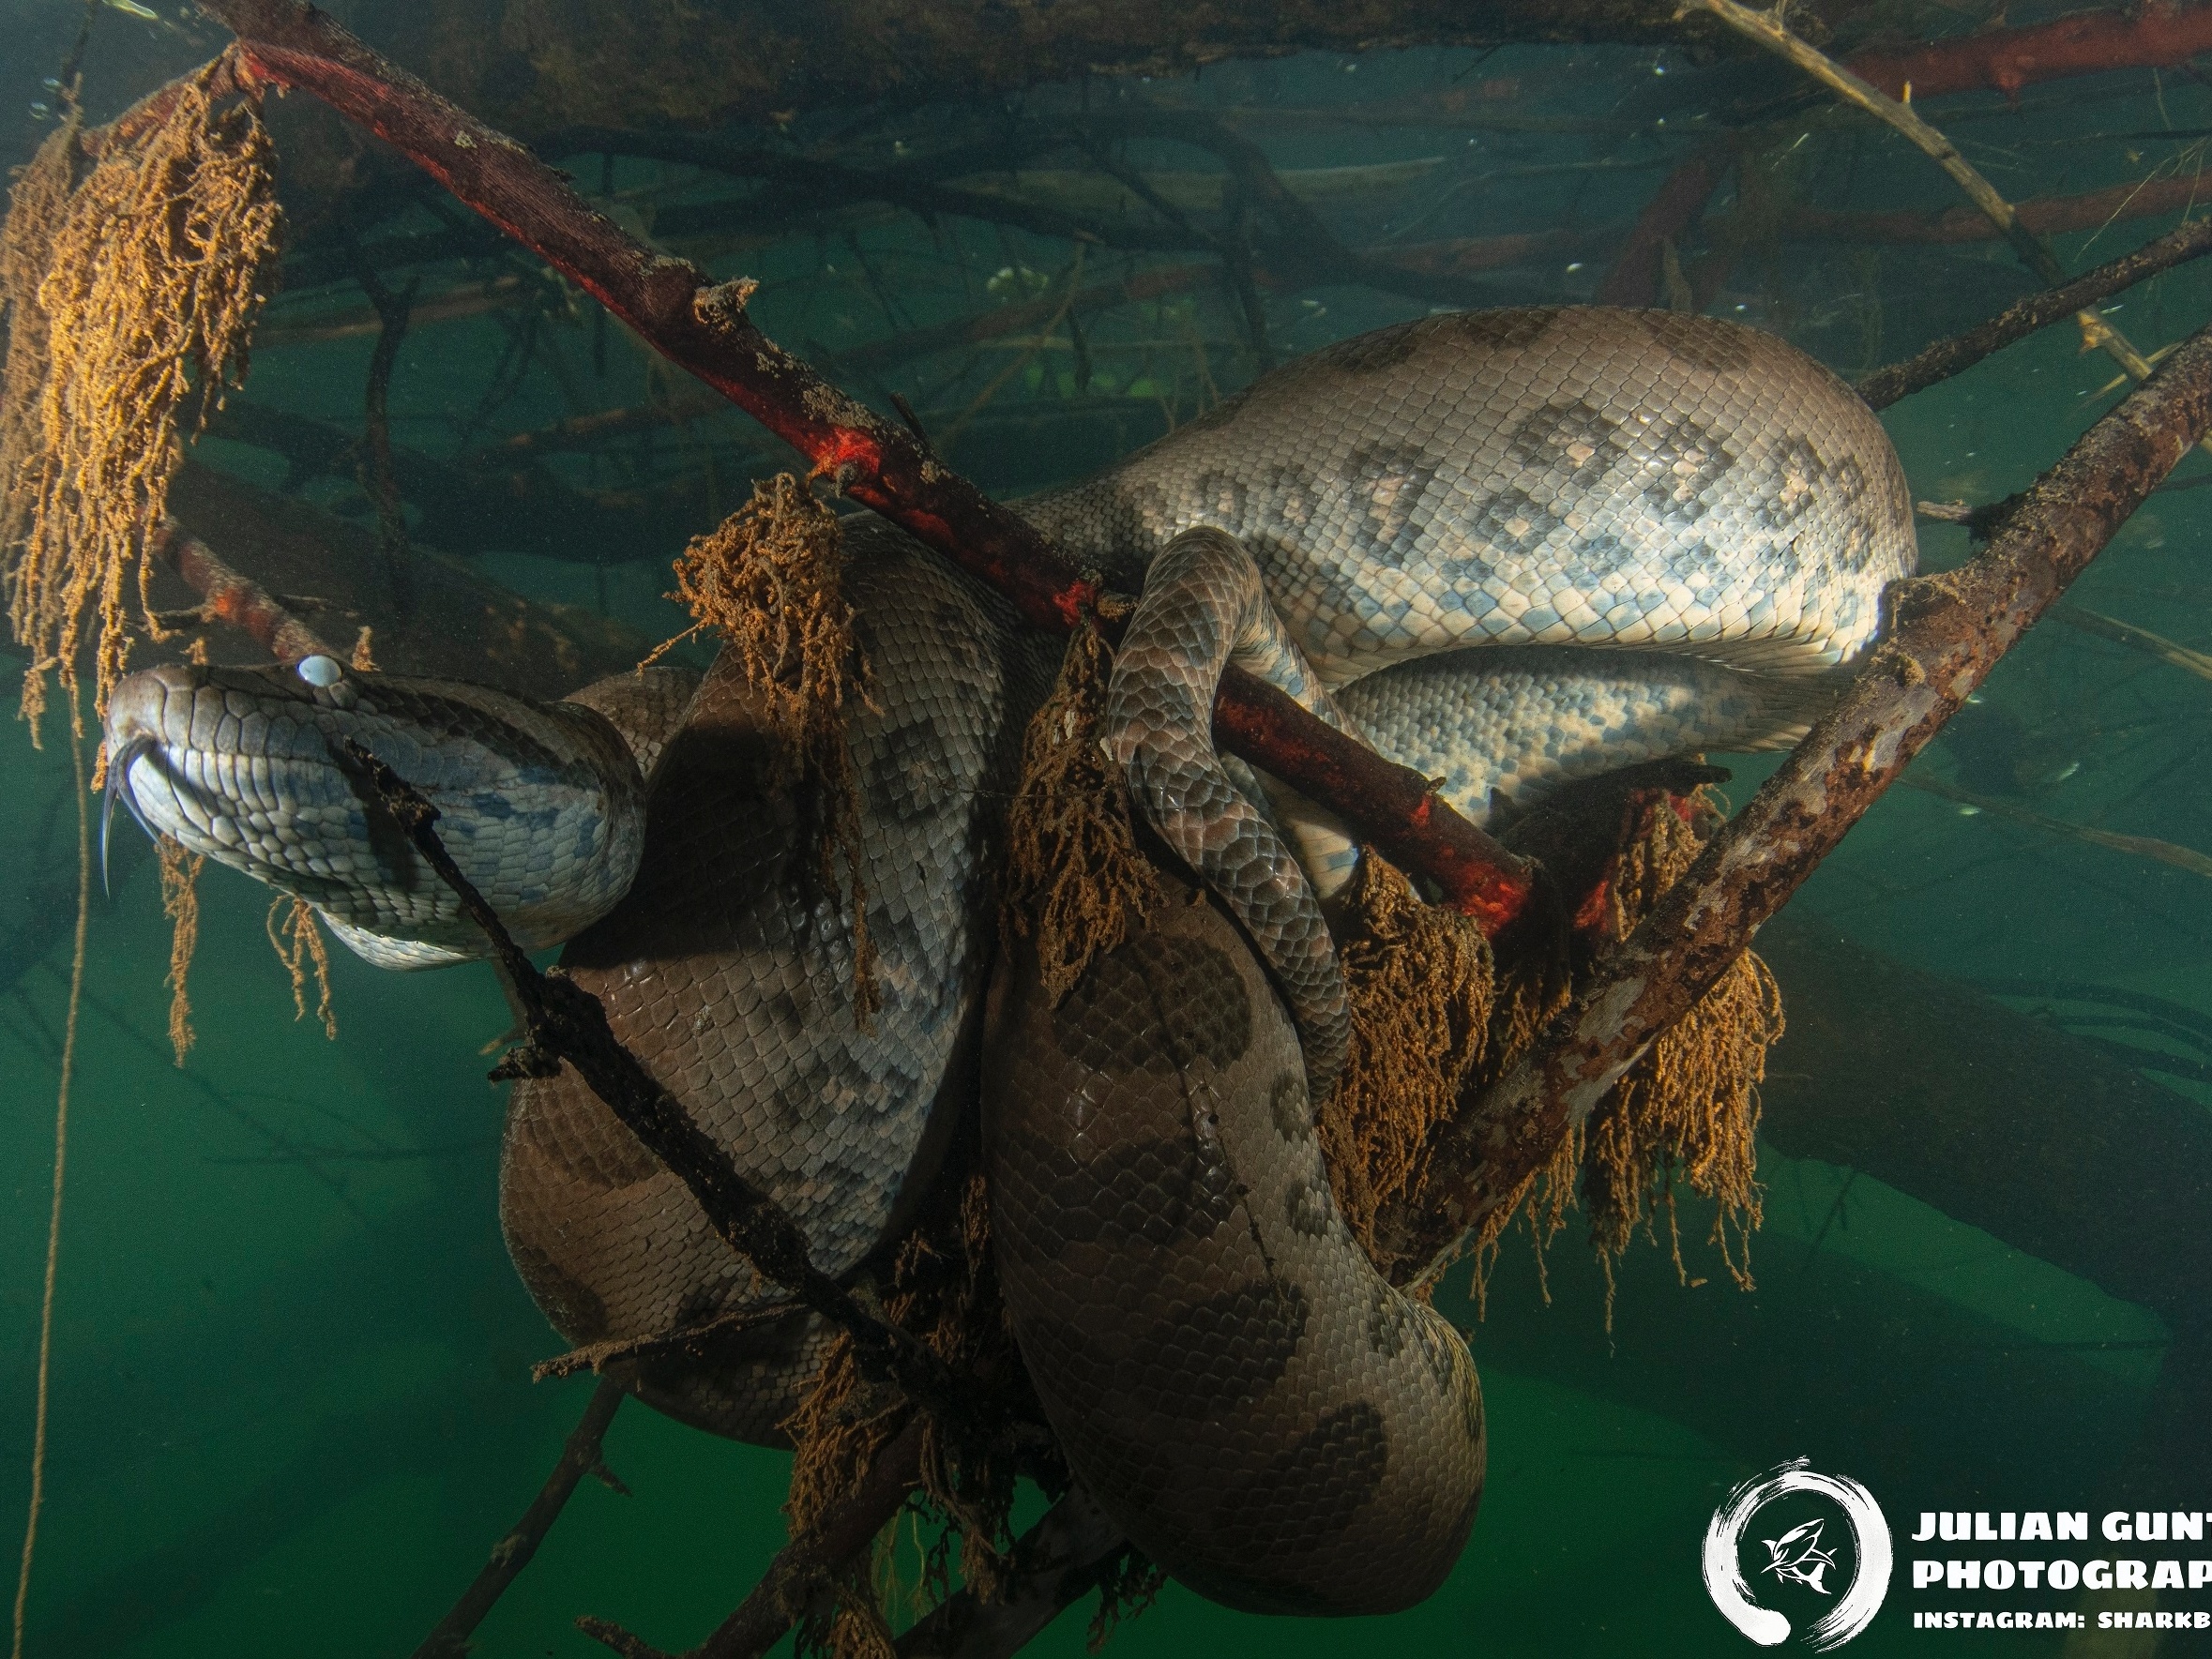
[(2005, 1123)]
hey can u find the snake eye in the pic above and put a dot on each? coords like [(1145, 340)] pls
[(319, 671)]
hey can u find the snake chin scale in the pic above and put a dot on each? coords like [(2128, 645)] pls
[(401, 955)]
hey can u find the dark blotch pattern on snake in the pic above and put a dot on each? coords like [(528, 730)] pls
[(1254, 1437), (1510, 548)]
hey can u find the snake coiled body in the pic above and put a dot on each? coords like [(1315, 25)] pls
[(728, 930), (1225, 1369), (1510, 548)]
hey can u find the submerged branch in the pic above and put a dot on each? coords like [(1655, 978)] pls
[(1634, 275), (1946, 358), (809, 1560), (753, 61), (2047, 215), (1072, 1551), (2004, 60), (506, 503), (239, 601), (580, 1456)]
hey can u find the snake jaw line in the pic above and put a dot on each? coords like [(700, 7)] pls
[(119, 766)]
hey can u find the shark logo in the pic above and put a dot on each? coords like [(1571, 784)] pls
[(1807, 1565), (1796, 1557)]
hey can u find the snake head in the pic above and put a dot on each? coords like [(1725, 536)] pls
[(192, 748), (541, 804)]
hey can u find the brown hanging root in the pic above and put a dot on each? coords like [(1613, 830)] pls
[(839, 1429), (941, 1288), (1130, 1586), (1658, 857), (1542, 1203), (1074, 873), (768, 579), (1689, 1110), (154, 270), (298, 945), (35, 203), (180, 903), (898, 1570), (1420, 981)]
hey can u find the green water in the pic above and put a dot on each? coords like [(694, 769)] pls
[(291, 1396)]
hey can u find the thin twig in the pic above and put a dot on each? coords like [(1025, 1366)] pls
[(689, 1342), (1946, 358), (393, 312), (1770, 31), (1234, 247), (959, 423), (2168, 852), (282, 1149), (580, 1456), (69, 76), (2136, 639)]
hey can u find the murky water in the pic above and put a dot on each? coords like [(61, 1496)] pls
[(292, 1407)]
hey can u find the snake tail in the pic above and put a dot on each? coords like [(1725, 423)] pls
[(1204, 607)]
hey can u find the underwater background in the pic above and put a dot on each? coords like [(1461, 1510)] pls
[(292, 1406)]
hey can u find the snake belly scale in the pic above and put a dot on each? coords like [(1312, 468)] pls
[(1507, 548)]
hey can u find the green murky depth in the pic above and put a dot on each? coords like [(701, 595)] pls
[(291, 1400)]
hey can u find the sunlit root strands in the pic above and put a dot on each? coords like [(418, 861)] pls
[(1436, 1024), (131, 293)]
